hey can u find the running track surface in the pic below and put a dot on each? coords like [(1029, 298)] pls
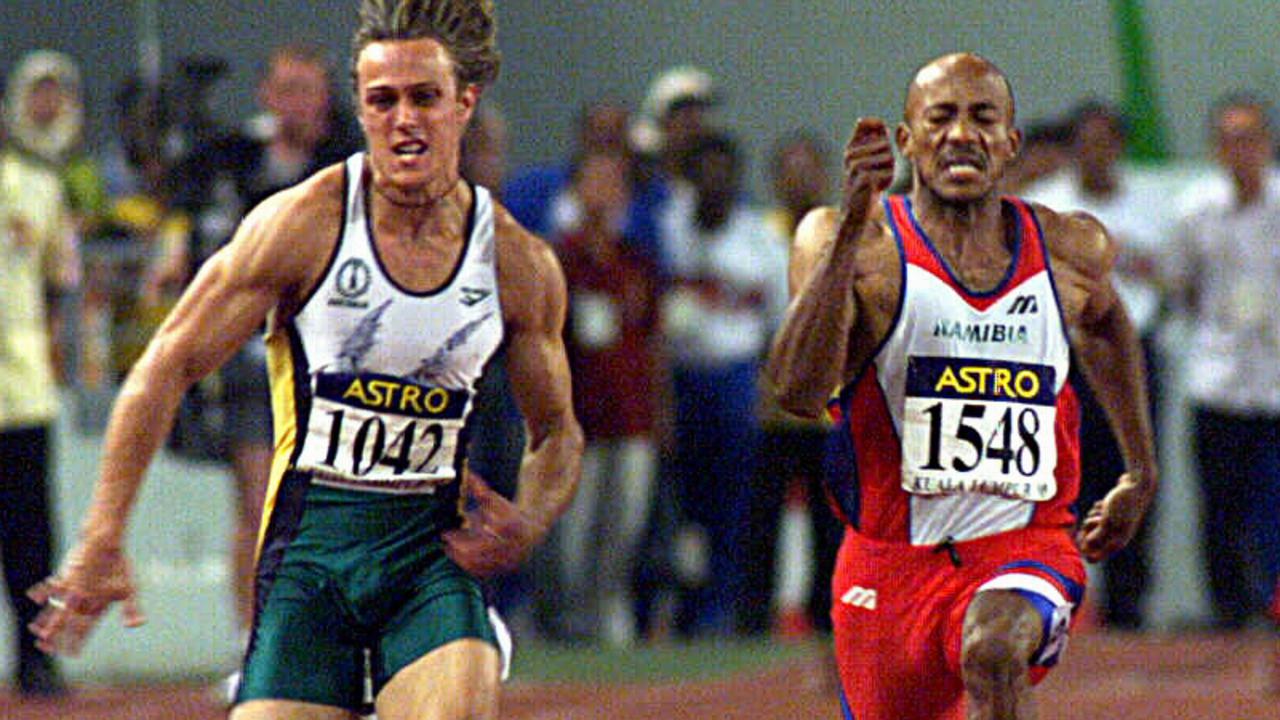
[(1104, 676)]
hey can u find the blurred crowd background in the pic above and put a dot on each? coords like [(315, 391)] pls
[(666, 153)]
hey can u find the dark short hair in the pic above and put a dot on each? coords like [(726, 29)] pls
[(1094, 108), (1047, 132)]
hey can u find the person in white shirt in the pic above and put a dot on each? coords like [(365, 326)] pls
[(1223, 271), (728, 292)]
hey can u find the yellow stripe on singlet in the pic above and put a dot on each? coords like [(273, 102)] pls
[(284, 417)]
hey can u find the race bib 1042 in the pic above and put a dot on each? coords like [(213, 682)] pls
[(370, 429), (979, 426)]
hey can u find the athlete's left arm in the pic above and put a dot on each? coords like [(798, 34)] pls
[(1110, 353), (499, 535)]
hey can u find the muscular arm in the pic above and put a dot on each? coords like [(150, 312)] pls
[(534, 300), (811, 350), (1110, 354), (225, 304), (807, 359)]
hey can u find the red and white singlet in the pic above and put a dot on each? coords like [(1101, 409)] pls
[(963, 424)]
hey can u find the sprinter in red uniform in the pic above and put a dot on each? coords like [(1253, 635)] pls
[(946, 320)]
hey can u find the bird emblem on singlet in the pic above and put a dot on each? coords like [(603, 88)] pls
[(363, 339), (431, 369)]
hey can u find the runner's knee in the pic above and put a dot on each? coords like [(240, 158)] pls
[(992, 662), (1000, 634)]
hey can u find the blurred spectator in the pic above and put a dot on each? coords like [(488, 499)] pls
[(1096, 182), (44, 121), (677, 111), (729, 291), (602, 127), (300, 130), (139, 221), (44, 114), (39, 262), (1046, 149), (679, 107), (541, 197), (793, 449), (619, 381), (800, 179), (1224, 273), (134, 161), (484, 149)]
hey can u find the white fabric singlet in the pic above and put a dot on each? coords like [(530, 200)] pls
[(390, 374)]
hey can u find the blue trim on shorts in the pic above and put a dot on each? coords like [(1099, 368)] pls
[(1075, 591), (1046, 609), (845, 711)]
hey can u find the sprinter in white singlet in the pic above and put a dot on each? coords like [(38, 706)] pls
[(386, 284)]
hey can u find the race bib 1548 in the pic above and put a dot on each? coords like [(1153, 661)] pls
[(979, 426)]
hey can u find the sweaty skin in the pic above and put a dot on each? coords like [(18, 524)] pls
[(846, 282), (845, 277), (419, 208)]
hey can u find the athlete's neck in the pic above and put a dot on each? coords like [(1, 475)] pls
[(972, 237), (422, 198), (944, 219), (421, 215)]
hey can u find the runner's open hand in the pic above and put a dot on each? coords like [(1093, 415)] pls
[(495, 536), (76, 597)]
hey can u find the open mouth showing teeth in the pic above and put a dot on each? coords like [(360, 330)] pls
[(410, 148), (972, 164), (963, 169)]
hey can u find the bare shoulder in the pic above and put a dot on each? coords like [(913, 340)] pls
[(1083, 253), (1078, 240), (299, 213), (876, 273), (818, 227), (817, 224), (287, 239), (530, 279), (875, 251)]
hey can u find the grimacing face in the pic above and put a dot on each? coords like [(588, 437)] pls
[(413, 112), (958, 129)]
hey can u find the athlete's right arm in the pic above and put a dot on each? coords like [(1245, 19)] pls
[(809, 353), (223, 307)]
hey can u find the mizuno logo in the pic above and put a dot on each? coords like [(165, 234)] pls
[(474, 296), (860, 597), (1024, 305)]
